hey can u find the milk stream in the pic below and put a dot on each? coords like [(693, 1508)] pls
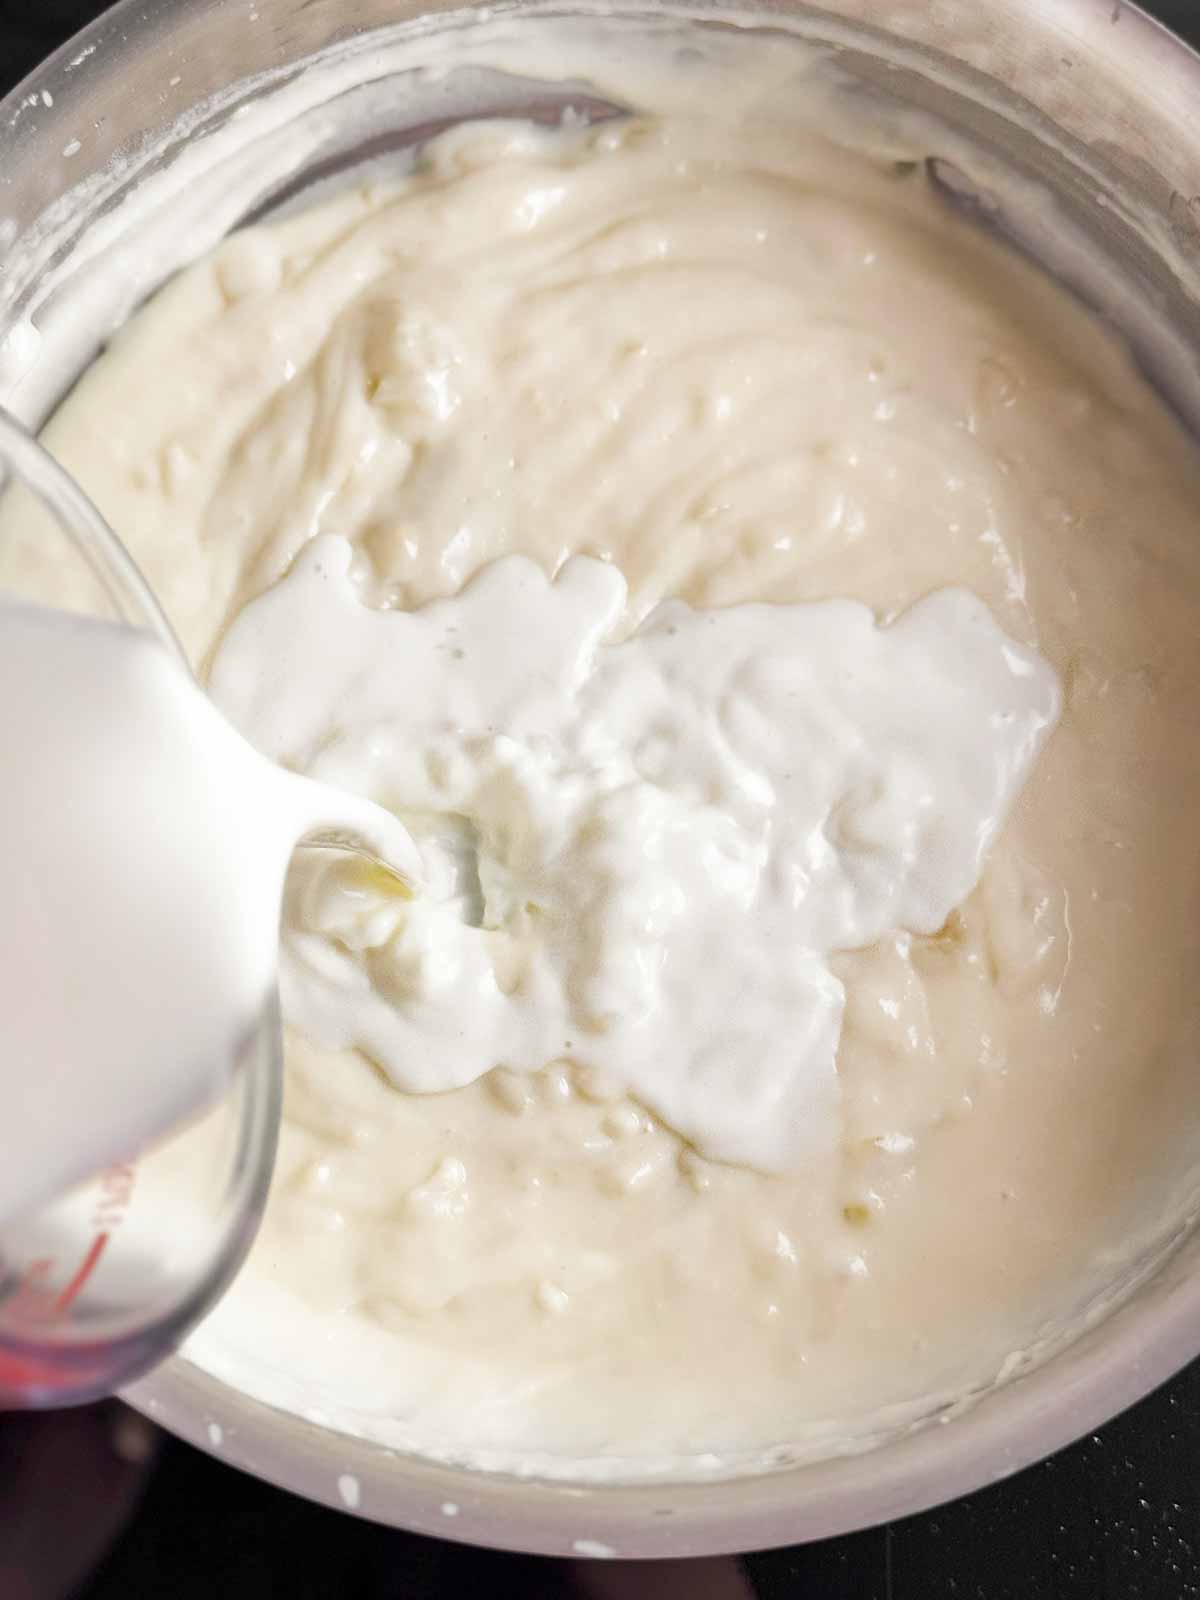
[(145, 845), (641, 850)]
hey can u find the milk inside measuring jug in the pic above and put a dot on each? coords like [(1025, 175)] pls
[(145, 845)]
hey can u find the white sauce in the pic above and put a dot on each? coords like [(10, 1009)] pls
[(641, 854), (741, 365)]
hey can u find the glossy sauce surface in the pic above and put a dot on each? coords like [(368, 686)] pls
[(741, 370)]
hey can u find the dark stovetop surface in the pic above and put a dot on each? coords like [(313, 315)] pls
[(1114, 1517)]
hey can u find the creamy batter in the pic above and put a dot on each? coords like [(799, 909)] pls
[(738, 370)]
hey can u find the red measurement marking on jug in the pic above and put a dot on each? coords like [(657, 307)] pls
[(35, 1299), (116, 1191), (112, 1206)]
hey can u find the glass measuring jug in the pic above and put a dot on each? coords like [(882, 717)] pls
[(104, 1281)]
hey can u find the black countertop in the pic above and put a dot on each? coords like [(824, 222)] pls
[(1114, 1517)]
